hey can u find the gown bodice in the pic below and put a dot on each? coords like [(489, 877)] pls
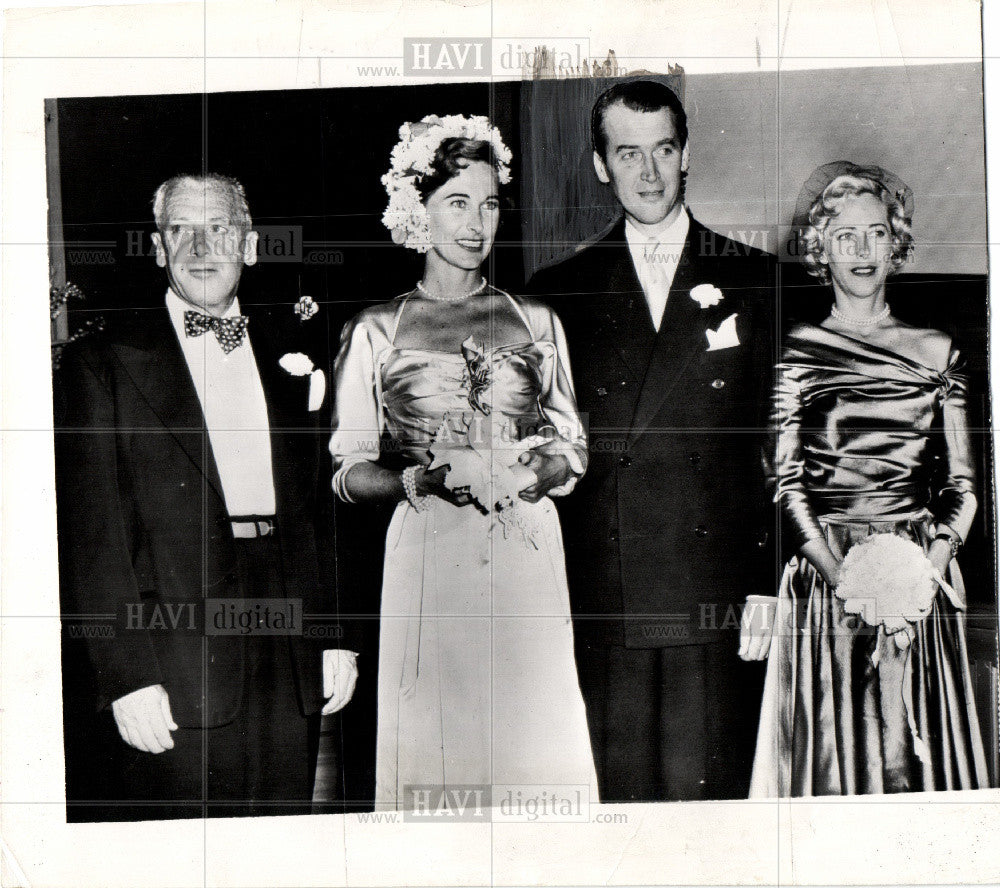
[(861, 431), (421, 387), (398, 396)]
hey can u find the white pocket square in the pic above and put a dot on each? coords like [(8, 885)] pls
[(317, 389), (725, 336)]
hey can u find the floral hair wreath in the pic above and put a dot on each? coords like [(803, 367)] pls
[(406, 215)]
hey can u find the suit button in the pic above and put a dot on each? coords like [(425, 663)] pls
[(623, 383), (694, 459), (625, 461), (700, 530), (601, 391), (718, 383), (613, 536)]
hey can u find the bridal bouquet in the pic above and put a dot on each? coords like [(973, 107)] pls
[(490, 475), (483, 462), (888, 582)]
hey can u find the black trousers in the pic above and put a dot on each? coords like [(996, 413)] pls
[(261, 763), (670, 724)]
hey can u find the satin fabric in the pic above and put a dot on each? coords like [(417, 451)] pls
[(866, 441), (477, 680)]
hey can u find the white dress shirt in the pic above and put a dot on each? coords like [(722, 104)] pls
[(655, 257), (232, 400)]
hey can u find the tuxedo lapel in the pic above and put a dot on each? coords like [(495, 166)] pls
[(681, 337), (623, 315), (153, 361)]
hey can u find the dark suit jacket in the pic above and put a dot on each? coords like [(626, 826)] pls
[(668, 528), (143, 527)]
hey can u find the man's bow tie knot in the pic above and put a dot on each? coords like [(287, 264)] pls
[(229, 331)]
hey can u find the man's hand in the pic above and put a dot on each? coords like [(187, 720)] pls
[(340, 675), (144, 720), (757, 627)]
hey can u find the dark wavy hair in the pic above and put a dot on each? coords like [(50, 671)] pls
[(829, 204), (636, 95), (452, 156)]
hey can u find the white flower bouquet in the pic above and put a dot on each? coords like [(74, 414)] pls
[(888, 581), (483, 461)]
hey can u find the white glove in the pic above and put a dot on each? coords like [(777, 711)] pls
[(340, 675), (144, 720)]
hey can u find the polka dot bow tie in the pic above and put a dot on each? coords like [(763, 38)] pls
[(229, 331)]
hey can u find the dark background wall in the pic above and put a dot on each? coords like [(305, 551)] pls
[(309, 158), (755, 138)]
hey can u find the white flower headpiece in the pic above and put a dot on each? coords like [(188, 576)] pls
[(406, 215)]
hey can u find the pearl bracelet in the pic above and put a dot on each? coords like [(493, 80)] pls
[(419, 503)]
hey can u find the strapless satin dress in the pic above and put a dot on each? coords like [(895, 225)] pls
[(866, 441), (477, 681)]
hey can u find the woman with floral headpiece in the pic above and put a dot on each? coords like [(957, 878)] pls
[(454, 401), (868, 687)]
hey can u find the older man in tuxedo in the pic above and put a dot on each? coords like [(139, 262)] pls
[(670, 334), (189, 443)]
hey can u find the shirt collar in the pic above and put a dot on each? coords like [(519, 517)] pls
[(675, 232), (177, 306)]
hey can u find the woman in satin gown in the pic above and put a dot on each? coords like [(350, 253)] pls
[(477, 682), (869, 418)]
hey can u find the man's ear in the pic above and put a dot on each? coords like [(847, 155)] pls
[(161, 252), (250, 248), (684, 158), (601, 169)]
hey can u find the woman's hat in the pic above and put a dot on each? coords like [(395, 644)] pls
[(824, 175)]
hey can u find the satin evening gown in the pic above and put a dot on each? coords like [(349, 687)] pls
[(477, 681), (867, 441)]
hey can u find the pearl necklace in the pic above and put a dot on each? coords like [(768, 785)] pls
[(873, 321), (474, 292)]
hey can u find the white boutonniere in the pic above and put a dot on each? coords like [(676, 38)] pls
[(706, 295), (305, 308), (725, 336), (298, 364)]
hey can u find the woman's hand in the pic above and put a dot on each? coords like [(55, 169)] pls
[(551, 470), (823, 559), (432, 483), (939, 555)]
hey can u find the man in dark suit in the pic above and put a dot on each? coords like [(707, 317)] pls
[(189, 443), (670, 338)]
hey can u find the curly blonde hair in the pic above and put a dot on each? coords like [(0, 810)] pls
[(829, 204)]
